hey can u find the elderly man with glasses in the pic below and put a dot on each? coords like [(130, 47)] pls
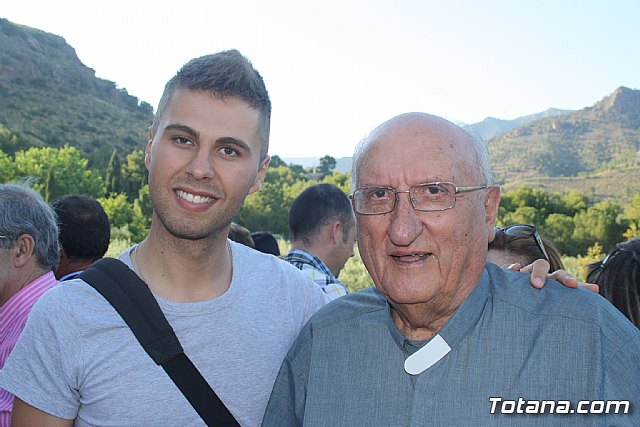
[(445, 338)]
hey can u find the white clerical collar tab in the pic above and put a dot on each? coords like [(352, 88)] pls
[(427, 356)]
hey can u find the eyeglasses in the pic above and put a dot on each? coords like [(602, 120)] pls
[(525, 230), (427, 197)]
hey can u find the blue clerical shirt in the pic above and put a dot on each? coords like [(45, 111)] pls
[(515, 351)]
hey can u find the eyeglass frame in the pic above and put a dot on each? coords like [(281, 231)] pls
[(458, 190), (534, 234)]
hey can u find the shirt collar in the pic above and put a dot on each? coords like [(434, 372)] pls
[(458, 326), (300, 256)]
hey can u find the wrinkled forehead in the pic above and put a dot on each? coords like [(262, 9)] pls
[(417, 149)]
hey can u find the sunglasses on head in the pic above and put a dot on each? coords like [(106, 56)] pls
[(525, 230)]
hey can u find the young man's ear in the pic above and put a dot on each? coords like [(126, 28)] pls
[(261, 175), (147, 149)]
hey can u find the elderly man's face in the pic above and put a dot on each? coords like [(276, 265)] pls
[(424, 257)]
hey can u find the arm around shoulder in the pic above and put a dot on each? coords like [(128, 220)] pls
[(25, 415)]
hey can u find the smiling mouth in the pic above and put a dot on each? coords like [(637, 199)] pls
[(409, 258), (193, 198)]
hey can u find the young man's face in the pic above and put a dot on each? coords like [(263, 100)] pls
[(203, 161)]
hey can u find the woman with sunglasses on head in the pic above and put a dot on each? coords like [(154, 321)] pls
[(618, 276), (522, 244)]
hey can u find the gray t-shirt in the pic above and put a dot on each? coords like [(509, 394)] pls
[(77, 358)]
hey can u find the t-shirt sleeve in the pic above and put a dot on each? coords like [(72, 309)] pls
[(308, 291), (43, 368)]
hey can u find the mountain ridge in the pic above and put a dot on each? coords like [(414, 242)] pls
[(49, 98), (491, 127)]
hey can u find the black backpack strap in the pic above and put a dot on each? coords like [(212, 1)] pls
[(133, 300)]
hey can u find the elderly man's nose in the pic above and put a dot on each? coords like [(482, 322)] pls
[(405, 225)]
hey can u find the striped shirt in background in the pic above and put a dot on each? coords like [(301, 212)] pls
[(318, 271), (13, 317)]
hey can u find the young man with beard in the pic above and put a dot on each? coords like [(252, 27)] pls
[(235, 311)]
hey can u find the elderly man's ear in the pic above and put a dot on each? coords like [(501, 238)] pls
[(491, 206), (23, 250)]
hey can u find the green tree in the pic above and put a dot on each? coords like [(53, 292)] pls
[(575, 202), (559, 229), (339, 179), (522, 215), (276, 161), (632, 209), (601, 223), (134, 174), (69, 171), (142, 205), (632, 215), (113, 175), (9, 142), (127, 222), (268, 209), (327, 164), (7, 169), (298, 169), (49, 186)]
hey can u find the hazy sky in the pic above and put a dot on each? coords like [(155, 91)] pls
[(336, 69)]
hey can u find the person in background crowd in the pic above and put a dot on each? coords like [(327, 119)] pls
[(29, 252), (241, 234), (84, 233), (522, 244), (446, 338), (323, 234), (618, 276), (265, 242)]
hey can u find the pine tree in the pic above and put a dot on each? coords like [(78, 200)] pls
[(114, 174)]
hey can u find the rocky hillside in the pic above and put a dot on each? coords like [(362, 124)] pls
[(599, 138), (48, 97)]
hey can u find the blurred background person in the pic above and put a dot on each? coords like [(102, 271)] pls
[(29, 252), (323, 233), (240, 234), (265, 242), (618, 276), (522, 244), (85, 233)]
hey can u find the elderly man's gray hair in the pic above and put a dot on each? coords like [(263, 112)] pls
[(24, 211)]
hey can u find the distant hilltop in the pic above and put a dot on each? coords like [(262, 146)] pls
[(343, 164), (492, 127), (487, 129)]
